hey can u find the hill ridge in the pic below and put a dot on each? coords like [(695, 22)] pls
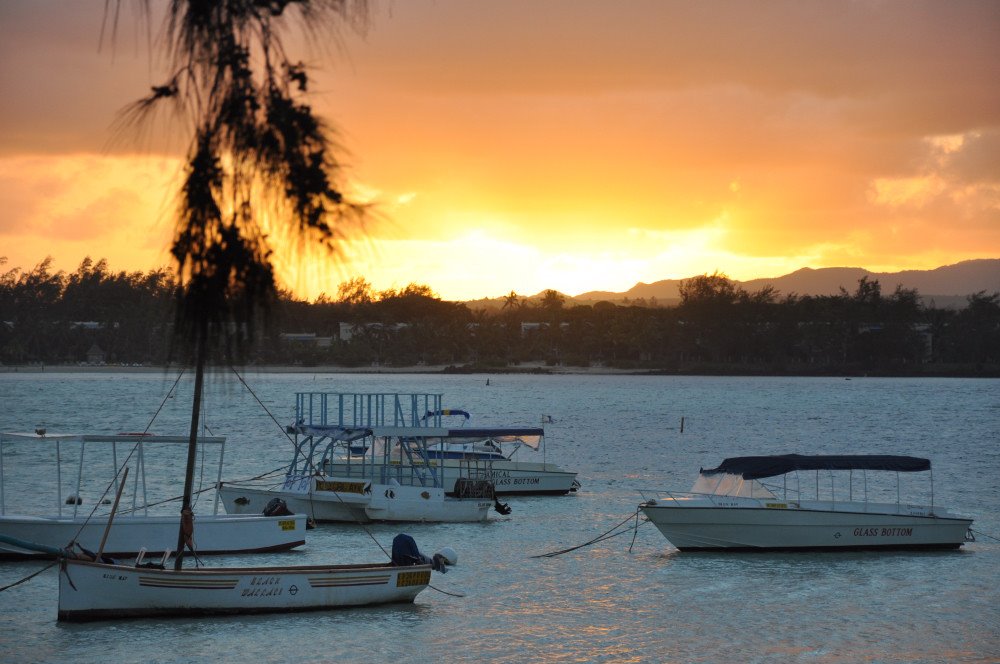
[(948, 285), (957, 280)]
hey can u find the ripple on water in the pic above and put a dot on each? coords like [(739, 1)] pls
[(600, 603)]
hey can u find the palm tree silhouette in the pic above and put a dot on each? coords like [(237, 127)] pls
[(260, 165)]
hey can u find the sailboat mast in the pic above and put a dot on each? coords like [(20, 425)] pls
[(199, 379)]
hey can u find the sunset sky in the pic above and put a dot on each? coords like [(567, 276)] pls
[(576, 145)]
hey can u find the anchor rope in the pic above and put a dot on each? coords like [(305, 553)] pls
[(261, 404), (606, 535), (979, 532), (445, 592), (30, 576)]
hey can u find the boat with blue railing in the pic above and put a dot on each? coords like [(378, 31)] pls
[(362, 457), (499, 454)]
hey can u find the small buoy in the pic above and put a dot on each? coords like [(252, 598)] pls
[(449, 555)]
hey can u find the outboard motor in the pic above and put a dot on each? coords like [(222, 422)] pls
[(406, 553), (501, 508), (277, 507)]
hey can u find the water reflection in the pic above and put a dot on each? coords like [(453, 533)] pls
[(600, 603)]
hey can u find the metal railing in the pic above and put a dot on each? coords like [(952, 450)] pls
[(368, 409)]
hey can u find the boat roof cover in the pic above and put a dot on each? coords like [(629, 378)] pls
[(495, 432), (333, 432), (531, 437), (756, 467)]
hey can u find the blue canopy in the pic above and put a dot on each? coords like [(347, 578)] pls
[(495, 432), (446, 412), (757, 467), (332, 432)]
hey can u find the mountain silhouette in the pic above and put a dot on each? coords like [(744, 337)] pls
[(949, 284)]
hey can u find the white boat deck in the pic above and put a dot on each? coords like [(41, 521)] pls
[(58, 488)]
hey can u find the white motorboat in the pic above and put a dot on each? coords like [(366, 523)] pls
[(217, 534), (33, 467), (501, 449), (731, 509), (491, 453), (364, 457)]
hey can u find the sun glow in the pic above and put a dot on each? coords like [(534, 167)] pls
[(659, 141)]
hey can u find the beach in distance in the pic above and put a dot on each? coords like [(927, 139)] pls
[(539, 368), (332, 369)]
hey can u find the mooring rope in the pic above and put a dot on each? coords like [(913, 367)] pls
[(30, 576), (445, 592), (261, 403), (606, 535), (979, 532)]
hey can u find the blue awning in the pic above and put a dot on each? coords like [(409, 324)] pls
[(757, 467)]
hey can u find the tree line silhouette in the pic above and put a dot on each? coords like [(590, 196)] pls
[(52, 317)]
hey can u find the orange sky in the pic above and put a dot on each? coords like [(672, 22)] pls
[(576, 145)]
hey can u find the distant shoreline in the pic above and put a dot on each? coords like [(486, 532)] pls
[(328, 369), (917, 371)]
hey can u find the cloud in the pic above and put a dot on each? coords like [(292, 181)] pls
[(532, 136), (110, 205), (976, 159), (959, 179)]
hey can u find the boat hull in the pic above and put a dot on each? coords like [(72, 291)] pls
[(94, 591), (214, 534), (509, 478), (761, 529), (380, 503)]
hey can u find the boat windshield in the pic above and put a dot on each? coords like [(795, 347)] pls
[(728, 484)]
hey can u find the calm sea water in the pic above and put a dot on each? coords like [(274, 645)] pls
[(602, 603)]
